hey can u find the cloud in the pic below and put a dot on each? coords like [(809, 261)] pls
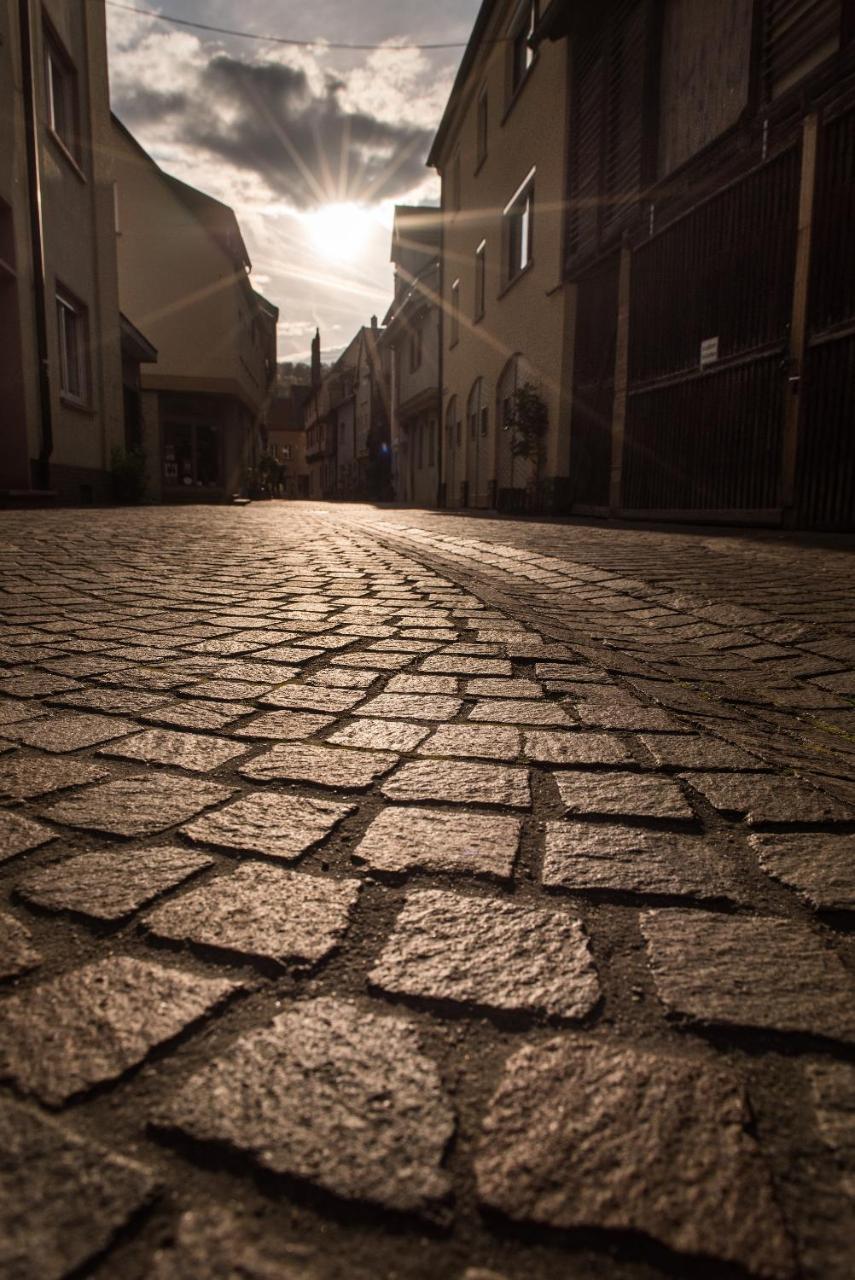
[(302, 133)]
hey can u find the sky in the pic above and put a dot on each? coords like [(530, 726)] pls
[(311, 146)]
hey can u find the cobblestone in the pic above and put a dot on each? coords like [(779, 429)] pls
[(546, 747), (90, 1026), (199, 753), (410, 706), (64, 733), (758, 972), (262, 913), (488, 954), (17, 953), (341, 653), (337, 767), (62, 1198), (138, 806), (277, 826), (415, 839), (591, 857), (489, 742), (112, 883), (587, 1133), (19, 835), (765, 801), (820, 867), (331, 1094), (460, 782), (286, 726), (25, 777), (631, 795)]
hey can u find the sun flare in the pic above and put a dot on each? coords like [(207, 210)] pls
[(339, 231)]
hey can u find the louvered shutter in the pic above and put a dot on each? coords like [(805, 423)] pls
[(625, 112), (586, 155), (798, 35)]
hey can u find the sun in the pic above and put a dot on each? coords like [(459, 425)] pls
[(339, 231)]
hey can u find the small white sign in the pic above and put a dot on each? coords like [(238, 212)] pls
[(709, 351)]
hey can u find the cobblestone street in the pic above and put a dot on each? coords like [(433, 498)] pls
[(391, 894)]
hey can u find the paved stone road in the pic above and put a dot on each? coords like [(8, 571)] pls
[(390, 894)]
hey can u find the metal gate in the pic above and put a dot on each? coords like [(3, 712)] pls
[(826, 465), (594, 386), (711, 301)]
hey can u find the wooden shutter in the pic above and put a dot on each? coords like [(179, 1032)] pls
[(625, 112), (586, 155), (798, 35)]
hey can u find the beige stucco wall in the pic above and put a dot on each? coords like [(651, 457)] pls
[(181, 289), (528, 317), (77, 199)]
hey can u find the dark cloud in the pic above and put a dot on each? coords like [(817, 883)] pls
[(264, 117), (307, 146), (141, 106)]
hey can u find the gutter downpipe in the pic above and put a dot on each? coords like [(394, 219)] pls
[(42, 476), (441, 485)]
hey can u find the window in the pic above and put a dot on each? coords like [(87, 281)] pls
[(522, 53), (481, 140), (519, 229), (455, 314), (474, 406), (431, 454), (61, 94), (452, 424), (420, 433), (480, 278), (415, 347), (455, 184), (73, 326)]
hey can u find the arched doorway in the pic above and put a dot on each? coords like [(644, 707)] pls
[(452, 454), (478, 447), (513, 475)]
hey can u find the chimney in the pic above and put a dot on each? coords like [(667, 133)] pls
[(316, 359), (374, 323)]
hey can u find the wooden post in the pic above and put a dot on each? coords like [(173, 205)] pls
[(621, 379), (798, 319)]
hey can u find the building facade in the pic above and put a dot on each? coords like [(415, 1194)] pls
[(501, 289), (285, 441), (61, 355), (184, 281), (412, 337), (709, 258)]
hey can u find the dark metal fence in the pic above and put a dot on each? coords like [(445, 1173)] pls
[(698, 435), (594, 385), (826, 466)]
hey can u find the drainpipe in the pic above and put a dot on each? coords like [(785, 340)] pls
[(38, 242), (440, 425)]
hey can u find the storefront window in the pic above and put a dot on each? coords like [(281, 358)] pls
[(191, 455)]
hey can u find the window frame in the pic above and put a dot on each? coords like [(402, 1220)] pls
[(415, 345), (480, 282), (454, 327), (77, 336), (482, 119), (518, 230), (522, 54), (60, 70)]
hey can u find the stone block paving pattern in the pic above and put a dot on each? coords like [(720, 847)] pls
[(394, 894)]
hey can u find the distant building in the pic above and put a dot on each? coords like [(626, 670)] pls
[(63, 395), (183, 279), (412, 338), (285, 438), (347, 419)]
